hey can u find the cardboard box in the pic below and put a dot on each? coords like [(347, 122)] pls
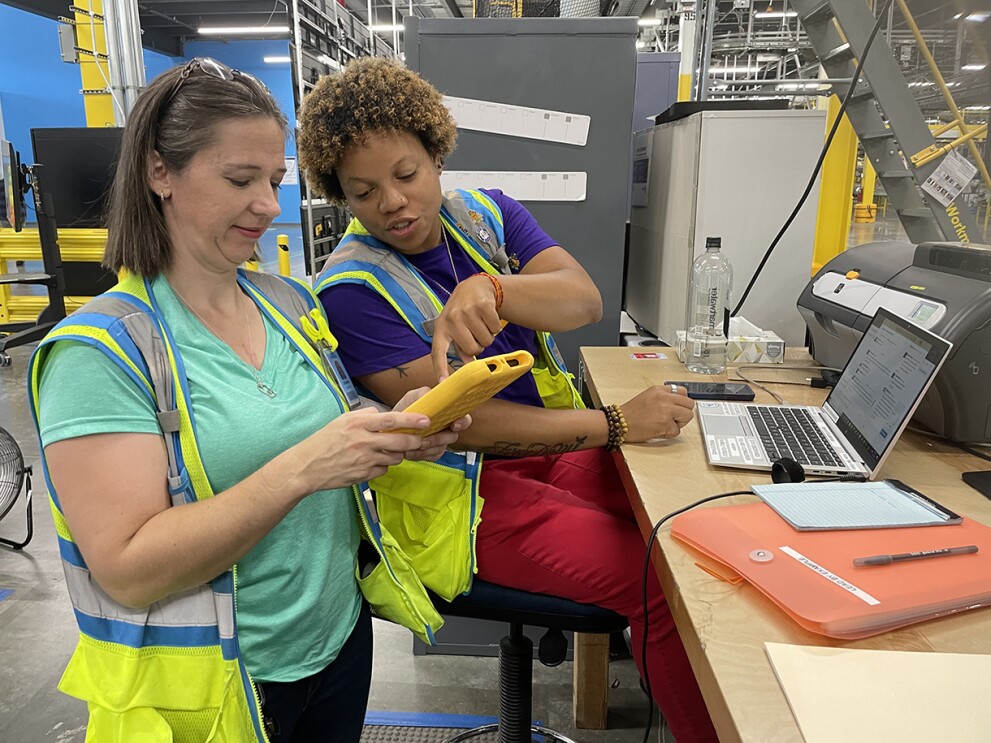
[(765, 348)]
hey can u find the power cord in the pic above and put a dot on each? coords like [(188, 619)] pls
[(822, 156), (822, 381), (643, 592)]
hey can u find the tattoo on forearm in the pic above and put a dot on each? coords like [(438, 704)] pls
[(402, 371), (535, 449)]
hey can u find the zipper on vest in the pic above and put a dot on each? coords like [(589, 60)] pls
[(251, 682)]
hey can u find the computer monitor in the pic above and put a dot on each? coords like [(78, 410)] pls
[(79, 165), (12, 210)]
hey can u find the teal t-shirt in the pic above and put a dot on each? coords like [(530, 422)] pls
[(297, 598)]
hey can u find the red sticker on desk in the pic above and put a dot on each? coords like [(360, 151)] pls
[(647, 355)]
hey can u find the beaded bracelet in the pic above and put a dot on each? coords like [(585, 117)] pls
[(495, 285), (617, 426)]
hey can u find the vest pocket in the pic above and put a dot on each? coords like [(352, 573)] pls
[(394, 592), (433, 521), (172, 695)]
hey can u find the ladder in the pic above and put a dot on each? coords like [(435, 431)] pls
[(838, 31)]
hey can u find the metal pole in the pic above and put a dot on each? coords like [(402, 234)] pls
[(134, 73), (710, 19), (114, 63)]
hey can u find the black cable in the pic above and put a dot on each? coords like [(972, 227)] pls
[(822, 157), (643, 592)]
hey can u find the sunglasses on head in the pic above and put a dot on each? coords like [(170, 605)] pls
[(207, 66)]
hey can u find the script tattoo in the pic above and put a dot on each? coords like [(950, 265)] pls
[(535, 449)]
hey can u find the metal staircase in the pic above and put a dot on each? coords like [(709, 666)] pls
[(885, 117)]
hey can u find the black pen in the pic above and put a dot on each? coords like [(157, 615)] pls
[(874, 560)]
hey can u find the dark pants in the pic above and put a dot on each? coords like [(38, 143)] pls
[(327, 706)]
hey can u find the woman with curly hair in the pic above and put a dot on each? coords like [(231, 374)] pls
[(423, 281)]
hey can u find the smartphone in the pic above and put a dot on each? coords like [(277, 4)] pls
[(717, 390), (467, 388)]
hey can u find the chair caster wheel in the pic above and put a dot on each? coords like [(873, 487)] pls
[(4, 359)]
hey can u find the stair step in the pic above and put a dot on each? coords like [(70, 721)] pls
[(25, 278), (900, 173), (839, 54), (876, 135), (822, 13), (915, 213)]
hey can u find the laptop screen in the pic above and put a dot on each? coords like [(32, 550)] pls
[(883, 383)]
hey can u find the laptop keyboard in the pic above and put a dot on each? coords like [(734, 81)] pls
[(790, 432)]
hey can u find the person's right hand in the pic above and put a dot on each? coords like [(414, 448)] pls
[(354, 448), (657, 413)]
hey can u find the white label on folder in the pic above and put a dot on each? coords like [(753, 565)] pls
[(831, 577)]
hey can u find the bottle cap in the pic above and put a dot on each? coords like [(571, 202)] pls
[(713, 242)]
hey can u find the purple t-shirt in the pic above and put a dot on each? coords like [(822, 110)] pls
[(373, 337)]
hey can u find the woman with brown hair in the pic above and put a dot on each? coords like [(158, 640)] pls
[(201, 459)]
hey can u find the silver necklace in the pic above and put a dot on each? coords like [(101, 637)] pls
[(450, 257), (252, 366)]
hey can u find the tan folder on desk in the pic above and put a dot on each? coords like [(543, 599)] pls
[(811, 576), (874, 696)]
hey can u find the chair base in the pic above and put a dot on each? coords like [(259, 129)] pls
[(550, 735)]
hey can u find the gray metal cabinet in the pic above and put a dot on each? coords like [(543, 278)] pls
[(573, 65)]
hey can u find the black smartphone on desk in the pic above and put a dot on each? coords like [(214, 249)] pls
[(717, 390)]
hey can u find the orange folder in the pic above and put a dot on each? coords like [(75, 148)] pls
[(810, 574)]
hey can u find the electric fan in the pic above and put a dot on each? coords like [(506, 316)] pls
[(14, 475)]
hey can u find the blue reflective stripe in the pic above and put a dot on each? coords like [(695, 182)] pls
[(249, 692), (141, 636), (71, 554), (391, 286)]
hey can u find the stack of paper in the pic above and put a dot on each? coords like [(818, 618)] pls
[(872, 696)]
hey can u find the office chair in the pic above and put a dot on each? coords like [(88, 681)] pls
[(520, 608)]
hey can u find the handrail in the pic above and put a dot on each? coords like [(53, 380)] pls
[(934, 150)]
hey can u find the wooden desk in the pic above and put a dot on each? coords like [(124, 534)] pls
[(724, 626)]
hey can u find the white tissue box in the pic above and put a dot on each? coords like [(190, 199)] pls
[(748, 344)]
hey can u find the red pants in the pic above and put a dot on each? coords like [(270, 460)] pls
[(563, 526)]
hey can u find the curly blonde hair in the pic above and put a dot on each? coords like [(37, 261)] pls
[(371, 95)]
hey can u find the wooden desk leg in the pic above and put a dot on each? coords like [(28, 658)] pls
[(591, 687)]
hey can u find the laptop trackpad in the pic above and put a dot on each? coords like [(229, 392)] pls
[(725, 425)]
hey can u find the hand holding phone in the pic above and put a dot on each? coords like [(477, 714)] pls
[(467, 388), (717, 390)]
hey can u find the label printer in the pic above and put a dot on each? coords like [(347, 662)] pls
[(945, 288)]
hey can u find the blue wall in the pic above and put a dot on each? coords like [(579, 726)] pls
[(38, 89)]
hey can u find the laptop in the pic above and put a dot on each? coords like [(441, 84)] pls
[(856, 428)]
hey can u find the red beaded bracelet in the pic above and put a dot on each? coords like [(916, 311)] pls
[(496, 284)]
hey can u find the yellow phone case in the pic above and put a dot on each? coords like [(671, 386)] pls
[(467, 388)]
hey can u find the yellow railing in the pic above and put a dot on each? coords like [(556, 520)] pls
[(75, 245)]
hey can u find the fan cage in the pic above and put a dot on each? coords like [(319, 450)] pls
[(11, 472)]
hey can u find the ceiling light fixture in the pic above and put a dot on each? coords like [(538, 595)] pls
[(649, 22), (776, 14), (241, 30), (978, 17), (276, 60), (733, 70), (386, 27), (973, 67)]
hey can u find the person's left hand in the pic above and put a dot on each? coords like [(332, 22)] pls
[(469, 320), (432, 447)]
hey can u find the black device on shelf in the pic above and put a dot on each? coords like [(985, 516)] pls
[(12, 188), (70, 178)]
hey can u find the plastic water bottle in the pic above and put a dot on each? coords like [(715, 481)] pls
[(708, 311)]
